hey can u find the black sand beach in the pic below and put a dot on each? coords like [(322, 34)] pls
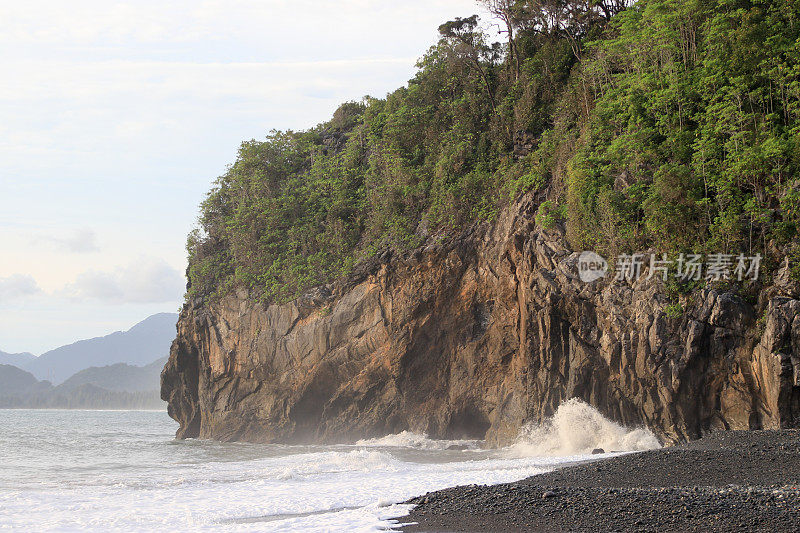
[(727, 481)]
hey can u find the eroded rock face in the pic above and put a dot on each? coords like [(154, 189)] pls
[(474, 336)]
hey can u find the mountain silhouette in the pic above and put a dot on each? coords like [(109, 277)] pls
[(145, 342)]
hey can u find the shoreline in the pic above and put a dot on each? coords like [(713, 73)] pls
[(726, 481), (79, 409)]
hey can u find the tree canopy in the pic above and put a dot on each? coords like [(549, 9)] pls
[(669, 125)]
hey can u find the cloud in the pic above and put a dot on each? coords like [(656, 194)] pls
[(17, 286), (81, 241), (89, 77), (117, 115), (145, 281), (100, 23)]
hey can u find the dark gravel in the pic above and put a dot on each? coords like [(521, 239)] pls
[(727, 481)]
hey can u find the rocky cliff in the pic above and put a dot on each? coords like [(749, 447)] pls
[(475, 335)]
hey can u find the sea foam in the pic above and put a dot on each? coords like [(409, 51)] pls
[(99, 476), (408, 439), (577, 428)]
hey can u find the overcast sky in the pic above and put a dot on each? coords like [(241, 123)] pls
[(116, 116)]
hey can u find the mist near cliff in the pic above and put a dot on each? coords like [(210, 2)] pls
[(578, 428)]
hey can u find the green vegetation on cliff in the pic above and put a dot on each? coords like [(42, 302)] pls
[(671, 125)]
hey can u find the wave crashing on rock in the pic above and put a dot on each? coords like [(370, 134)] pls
[(577, 428)]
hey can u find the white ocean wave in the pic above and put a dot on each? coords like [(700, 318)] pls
[(102, 481), (577, 428), (408, 439)]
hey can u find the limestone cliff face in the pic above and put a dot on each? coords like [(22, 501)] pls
[(474, 336)]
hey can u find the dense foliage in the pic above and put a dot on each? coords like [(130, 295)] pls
[(669, 125)]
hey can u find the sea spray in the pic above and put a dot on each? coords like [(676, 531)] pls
[(124, 472), (409, 439), (577, 428)]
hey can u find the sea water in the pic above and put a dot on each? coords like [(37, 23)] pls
[(123, 471)]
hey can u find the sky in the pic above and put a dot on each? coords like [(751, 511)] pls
[(116, 116)]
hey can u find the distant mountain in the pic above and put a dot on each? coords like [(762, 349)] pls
[(16, 381), (140, 345), (118, 377), (118, 386), (19, 360)]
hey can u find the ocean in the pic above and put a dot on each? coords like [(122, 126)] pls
[(123, 471)]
